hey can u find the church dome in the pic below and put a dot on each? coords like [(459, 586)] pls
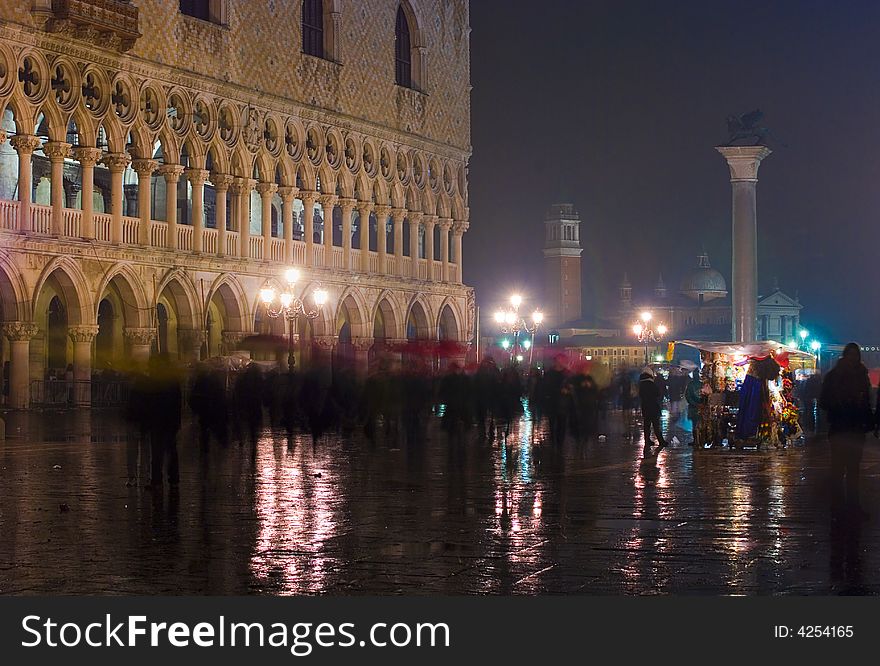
[(704, 281)]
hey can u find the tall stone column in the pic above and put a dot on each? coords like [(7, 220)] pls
[(221, 183), (144, 170), (743, 162), (190, 344), (140, 341), (56, 151), (328, 202), (244, 216), (82, 337), (116, 163), (397, 217), (364, 209), (445, 226), (197, 179), (324, 346), (171, 173), (19, 334), (382, 213), (87, 158), (458, 230), (415, 220), (347, 206), (428, 223), (25, 146), (308, 200), (267, 191), (287, 194), (362, 347)]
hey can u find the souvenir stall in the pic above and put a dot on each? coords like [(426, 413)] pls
[(746, 393)]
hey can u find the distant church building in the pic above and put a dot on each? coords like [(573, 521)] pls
[(562, 260)]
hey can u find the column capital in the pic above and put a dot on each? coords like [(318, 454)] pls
[(345, 202), (87, 156), (267, 189), (398, 214), (221, 181), (362, 344), (744, 161), (116, 162), (139, 336), (363, 206), (190, 337), (430, 220), (25, 144), (415, 217), (197, 177), (83, 333), (233, 338), (382, 211), (56, 150), (309, 195), (287, 193), (325, 342), (144, 167), (328, 199), (171, 172), (460, 226), (445, 223), (19, 331)]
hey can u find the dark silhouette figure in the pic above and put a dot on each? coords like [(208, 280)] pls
[(487, 381), (248, 401), (650, 397), (207, 400), (555, 399), (846, 398), (163, 407)]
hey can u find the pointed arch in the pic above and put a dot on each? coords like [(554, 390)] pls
[(129, 287), (418, 319), (391, 318), (15, 304), (73, 289), (449, 321), (352, 308), (177, 287), (228, 289)]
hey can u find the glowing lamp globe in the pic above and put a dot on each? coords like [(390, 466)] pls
[(646, 316), (510, 318), (815, 345), (499, 317), (537, 317), (320, 297), (804, 333), (267, 295), (637, 329), (661, 329), (286, 299), (516, 300), (291, 275)]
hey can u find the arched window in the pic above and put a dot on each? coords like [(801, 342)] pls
[(402, 51), (313, 27)]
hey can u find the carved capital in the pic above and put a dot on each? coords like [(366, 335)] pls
[(459, 227), (86, 156), (139, 336), (116, 161), (56, 151), (744, 161), (364, 208), (397, 214), (325, 342), (19, 331), (191, 337), (287, 193), (25, 144), (144, 168), (171, 172), (233, 338), (382, 212), (82, 333), (267, 189), (197, 177), (445, 224), (362, 344), (308, 197), (429, 221), (415, 217), (221, 181), (347, 203), (328, 199)]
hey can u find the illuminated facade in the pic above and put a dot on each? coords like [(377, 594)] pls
[(162, 160)]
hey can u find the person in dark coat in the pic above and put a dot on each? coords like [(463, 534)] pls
[(207, 399), (650, 397), (164, 400), (556, 391), (248, 400), (846, 398), (694, 396)]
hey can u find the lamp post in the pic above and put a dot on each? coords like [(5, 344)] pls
[(510, 321), (804, 333), (291, 308), (816, 346), (645, 333)]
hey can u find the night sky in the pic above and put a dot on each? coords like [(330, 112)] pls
[(617, 106)]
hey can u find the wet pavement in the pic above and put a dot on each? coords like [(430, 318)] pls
[(461, 517)]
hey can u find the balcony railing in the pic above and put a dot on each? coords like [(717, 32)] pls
[(71, 225)]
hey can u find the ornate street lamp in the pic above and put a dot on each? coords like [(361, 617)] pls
[(510, 321), (645, 332), (291, 308)]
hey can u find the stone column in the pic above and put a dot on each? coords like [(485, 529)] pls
[(362, 347), (308, 199), (458, 230), (197, 179), (328, 202), (116, 163), (19, 334), (87, 158), (324, 345), (347, 206), (415, 220), (287, 194), (743, 162), (171, 173), (445, 226), (267, 191), (382, 213), (144, 170), (140, 341), (397, 217), (364, 208), (221, 183), (82, 337), (25, 146), (230, 340), (246, 185), (429, 222), (56, 151), (189, 342)]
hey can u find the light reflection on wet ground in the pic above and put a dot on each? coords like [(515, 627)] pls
[(463, 517)]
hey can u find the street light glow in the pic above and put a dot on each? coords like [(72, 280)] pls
[(267, 295), (527, 344), (637, 329), (320, 297), (510, 318), (815, 345), (537, 316), (804, 333), (792, 343), (516, 300), (499, 317), (286, 299), (505, 344), (661, 329), (291, 275), (646, 316)]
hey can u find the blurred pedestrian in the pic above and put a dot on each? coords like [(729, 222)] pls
[(650, 399)]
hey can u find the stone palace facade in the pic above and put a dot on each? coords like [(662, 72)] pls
[(162, 160)]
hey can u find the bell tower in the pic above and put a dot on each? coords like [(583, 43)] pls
[(562, 260)]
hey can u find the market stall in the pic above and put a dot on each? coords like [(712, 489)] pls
[(746, 393)]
